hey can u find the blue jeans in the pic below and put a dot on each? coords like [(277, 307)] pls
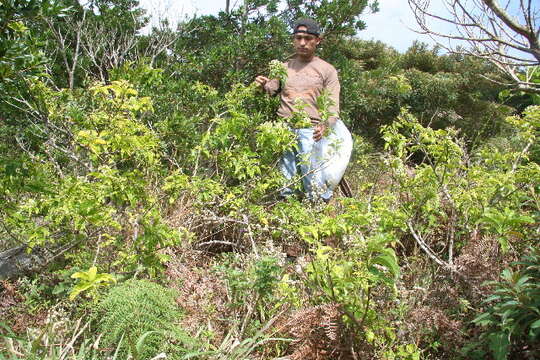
[(321, 164)]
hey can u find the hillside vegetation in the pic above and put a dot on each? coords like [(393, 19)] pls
[(141, 216)]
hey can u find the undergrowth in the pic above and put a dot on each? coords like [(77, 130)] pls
[(143, 318), (395, 272)]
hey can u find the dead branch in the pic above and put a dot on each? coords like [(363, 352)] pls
[(484, 29)]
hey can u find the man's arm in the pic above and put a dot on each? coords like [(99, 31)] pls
[(270, 86)]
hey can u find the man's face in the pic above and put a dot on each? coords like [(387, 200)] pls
[(305, 44)]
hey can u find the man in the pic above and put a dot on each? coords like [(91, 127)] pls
[(324, 149)]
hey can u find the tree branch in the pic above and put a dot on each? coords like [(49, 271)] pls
[(491, 33), (511, 23)]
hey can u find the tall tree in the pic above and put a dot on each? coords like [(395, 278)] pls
[(92, 39), (20, 53), (337, 18)]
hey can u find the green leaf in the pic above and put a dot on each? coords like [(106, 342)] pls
[(388, 260), (92, 273), (535, 324), (140, 341), (79, 288), (499, 344), (104, 278), (522, 280), (492, 298), (484, 319), (17, 26)]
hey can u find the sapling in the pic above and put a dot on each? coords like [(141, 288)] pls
[(300, 118), (324, 103), (278, 71)]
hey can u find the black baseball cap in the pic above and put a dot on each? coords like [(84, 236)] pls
[(312, 27)]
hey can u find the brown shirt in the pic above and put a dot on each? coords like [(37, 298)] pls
[(306, 80)]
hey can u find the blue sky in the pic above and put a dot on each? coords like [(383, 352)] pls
[(390, 25), (393, 23)]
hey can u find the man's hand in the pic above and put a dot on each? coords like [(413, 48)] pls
[(319, 131), (261, 80)]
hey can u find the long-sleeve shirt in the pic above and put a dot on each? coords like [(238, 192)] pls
[(307, 80)]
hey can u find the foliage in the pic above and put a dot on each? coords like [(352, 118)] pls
[(90, 281), (278, 71), (445, 197), (91, 40), (530, 74), (140, 308), (511, 318), (229, 350), (21, 58), (440, 90), (112, 159), (447, 182), (324, 103), (244, 144), (138, 148), (337, 18), (22, 61), (351, 275), (53, 342), (258, 280), (405, 352), (231, 48)]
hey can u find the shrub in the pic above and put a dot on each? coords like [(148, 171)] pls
[(512, 316)]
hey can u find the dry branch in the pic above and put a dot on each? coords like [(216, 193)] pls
[(486, 30)]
